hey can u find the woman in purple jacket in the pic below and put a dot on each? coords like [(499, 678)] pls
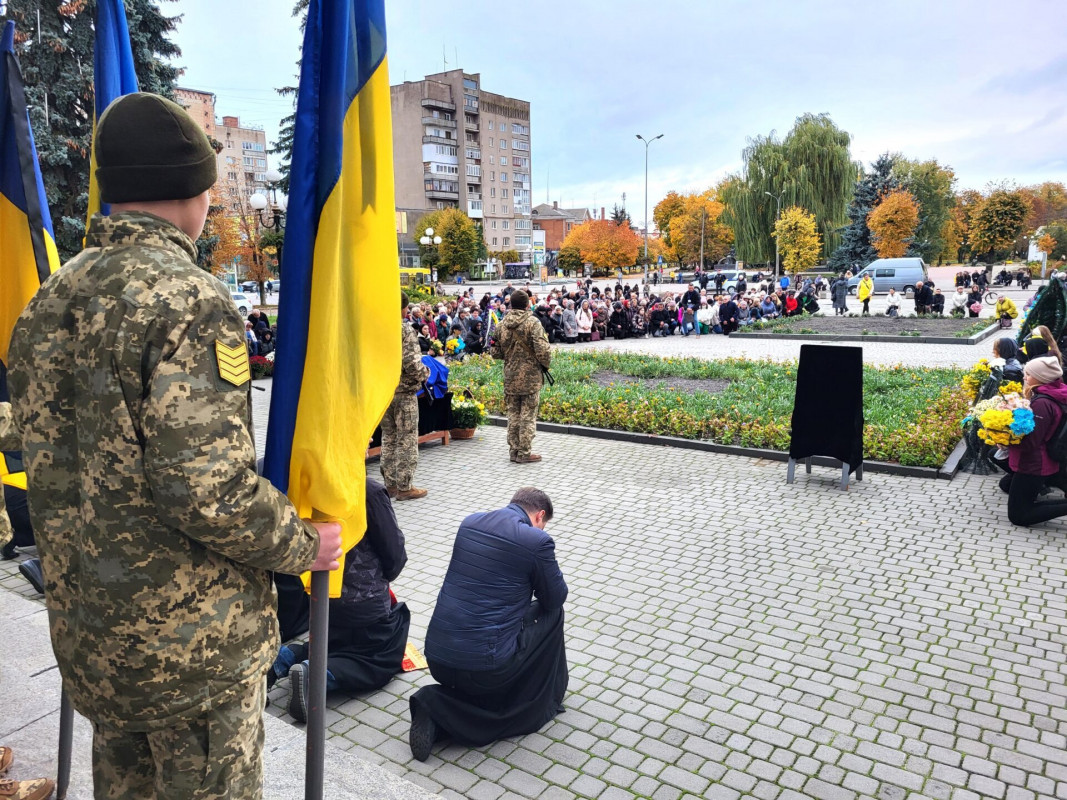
[(1029, 464)]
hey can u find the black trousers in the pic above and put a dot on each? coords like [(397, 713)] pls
[(1023, 506), (479, 707)]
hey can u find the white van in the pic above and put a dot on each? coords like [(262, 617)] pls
[(892, 273)]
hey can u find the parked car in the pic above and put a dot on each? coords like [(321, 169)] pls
[(244, 305), (249, 286), (892, 273)]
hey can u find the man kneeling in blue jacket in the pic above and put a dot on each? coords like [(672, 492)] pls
[(495, 641)]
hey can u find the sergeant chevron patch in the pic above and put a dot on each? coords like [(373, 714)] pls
[(233, 363)]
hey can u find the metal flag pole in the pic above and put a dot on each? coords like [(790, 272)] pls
[(316, 727), (66, 742)]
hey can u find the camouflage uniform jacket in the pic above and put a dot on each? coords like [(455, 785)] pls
[(9, 440), (156, 536), (521, 341), (413, 373)]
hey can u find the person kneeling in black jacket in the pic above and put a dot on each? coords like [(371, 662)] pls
[(368, 628)]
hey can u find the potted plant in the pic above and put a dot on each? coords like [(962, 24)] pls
[(261, 366), (467, 415)]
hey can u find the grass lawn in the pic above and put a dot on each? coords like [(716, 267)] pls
[(913, 414)]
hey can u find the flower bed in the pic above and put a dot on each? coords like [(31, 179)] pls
[(913, 414)]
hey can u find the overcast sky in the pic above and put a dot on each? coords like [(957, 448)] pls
[(979, 85)]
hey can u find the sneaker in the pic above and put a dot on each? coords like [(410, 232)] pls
[(31, 571), (298, 692), (422, 735), (531, 458), (36, 789), (410, 494)]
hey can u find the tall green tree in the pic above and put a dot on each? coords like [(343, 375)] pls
[(812, 167), (999, 221), (934, 189), (461, 241), (856, 247), (54, 45), (283, 147)]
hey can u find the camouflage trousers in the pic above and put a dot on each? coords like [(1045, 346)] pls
[(218, 756), (522, 421), (400, 442)]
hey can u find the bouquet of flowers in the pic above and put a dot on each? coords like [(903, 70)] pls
[(976, 308), (436, 347), (974, 379), (467, 412), (1003, 420), (261, 366)]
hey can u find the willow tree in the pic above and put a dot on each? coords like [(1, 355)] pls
[(812, 167)]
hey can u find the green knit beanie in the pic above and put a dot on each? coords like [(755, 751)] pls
[(149, 148)]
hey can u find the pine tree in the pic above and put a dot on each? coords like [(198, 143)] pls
[(619, 215), (856, 247), (284, 145), (54, 45)]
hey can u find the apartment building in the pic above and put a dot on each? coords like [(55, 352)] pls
[(456, 145), (242, 162)]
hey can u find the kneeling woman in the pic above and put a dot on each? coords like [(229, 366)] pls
[(1030, 466)]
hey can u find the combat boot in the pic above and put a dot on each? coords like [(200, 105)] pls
[(36, 789), (531, 458), (410, 494), (31, 571), (391, 491)]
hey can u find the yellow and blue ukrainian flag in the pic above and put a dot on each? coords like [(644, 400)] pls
[(28, 252), (113, 76), (338, 358)]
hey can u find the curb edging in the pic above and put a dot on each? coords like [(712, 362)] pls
[(946, 471), (832, 337)]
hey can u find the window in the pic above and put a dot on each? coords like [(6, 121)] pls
[(492, 192), (503, 144), (520, 129), (503, 177), (492, 174), (261, 163), (444, 150), (474, 153), (517, 145), (503, 161), (504, 209), (446, 169), (490, 127), (494, 241), (492, 224), (505, 224), (492, 141), (520, 240), (470, 101), (474, 170), (885, 273), (248, 161), (523, 224), (491, 160), (494, 207), (231, 175), (520, 162), (470, 83), (507, 241), (229, 144), (504, 193)]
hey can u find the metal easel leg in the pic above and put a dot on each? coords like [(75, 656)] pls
[(66, 742), (790, 470), (807, 465), (844, 475)]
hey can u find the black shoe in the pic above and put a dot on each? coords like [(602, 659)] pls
[(298, 692), (422, 735), (8, 551), (31, 571), (272, 678)]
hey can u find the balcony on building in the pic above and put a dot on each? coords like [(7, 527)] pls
[(470, 125), (442, 194), (439, 121), (474, 154), (474, 209), (438, 102)]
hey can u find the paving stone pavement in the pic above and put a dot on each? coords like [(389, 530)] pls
[(731, 636)]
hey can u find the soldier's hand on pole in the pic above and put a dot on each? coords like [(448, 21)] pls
[(329, 546)]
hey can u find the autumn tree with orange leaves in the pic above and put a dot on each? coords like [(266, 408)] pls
[(892, 223), (604, 244)]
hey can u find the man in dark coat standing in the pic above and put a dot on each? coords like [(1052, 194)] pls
[(924, 298), (495, 641)]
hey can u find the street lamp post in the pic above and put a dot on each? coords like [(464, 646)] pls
[(276, 219), (428, 238), (647, 143), (777, 216)]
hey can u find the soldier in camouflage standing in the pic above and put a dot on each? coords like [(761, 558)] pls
[(130, 389), (400, 425), (521, 341)]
